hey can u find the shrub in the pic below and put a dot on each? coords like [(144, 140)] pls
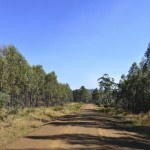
[(57, 108)]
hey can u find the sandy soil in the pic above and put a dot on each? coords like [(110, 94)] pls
[(87, 130)]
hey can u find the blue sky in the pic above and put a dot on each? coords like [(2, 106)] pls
[(78, 39)]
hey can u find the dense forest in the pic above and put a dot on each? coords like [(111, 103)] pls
[(22, 85), (132, 93)]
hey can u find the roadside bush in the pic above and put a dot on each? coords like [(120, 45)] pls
[(26, 111), (57, 108)]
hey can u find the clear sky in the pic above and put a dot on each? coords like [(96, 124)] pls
[(78, 39)]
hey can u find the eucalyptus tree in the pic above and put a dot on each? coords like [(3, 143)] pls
[(134, 89), (82, 95), (85, 95), (147, 56), (22, 85), (32, 86), (39, 84), (96, 96), (121, 93), (51, 88), (76, 95), (64, 94), (16, 73), (22, 81), (3, 73), (68, 93), (106, 85)]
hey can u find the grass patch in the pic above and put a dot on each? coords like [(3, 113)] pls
[(140, 123), (113, 111), (17, 123)]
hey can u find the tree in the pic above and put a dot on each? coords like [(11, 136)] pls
[(82, 95), (4, 99), (107, 85), (147, 55), (96, 96), (85, 95), (51, 88), (134, 90), (3, 73), (29, 85), (76, 95), (133, 70), (39, 84), (15, 62)]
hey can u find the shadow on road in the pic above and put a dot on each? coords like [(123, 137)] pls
[(94, 119), (88, 140)]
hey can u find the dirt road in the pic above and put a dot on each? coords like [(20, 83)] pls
[(86, 130)]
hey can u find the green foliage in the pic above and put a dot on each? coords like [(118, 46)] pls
[(107, 85), (133, 92), (4, 99), (29, 86), (82, 95), (96, 96)]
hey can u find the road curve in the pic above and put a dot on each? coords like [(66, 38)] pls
[(87, 130)]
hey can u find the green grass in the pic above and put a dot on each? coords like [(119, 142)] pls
[(16, 123)]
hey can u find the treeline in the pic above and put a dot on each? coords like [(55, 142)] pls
[(22, 85), (105, 94), (82, 95), (132, 93)]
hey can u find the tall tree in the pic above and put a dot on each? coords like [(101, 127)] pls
[(39, 81), (3, 73), (96, 96), (107, 85), (82, 95)]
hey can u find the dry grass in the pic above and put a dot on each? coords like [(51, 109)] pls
[(17, 123), (142, 119), (140, 122), (113, 111)]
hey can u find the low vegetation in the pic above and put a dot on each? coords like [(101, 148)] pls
[(113, 111), (18, 122), (140, 122)]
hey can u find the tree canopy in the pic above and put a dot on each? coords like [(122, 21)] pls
[(28, 86), (133, 91), (82, 95)]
